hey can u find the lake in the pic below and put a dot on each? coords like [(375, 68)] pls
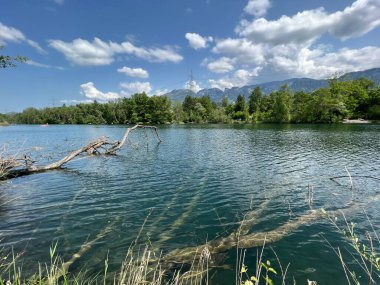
[(197, 185)]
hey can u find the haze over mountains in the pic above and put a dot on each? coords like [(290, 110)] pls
[(295, 84)]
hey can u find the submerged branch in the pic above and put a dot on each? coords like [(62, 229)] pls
[(234, 240), (356, 176)]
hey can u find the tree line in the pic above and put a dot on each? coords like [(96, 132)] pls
[(340, 100)]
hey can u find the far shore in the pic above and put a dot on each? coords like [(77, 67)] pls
[(356, 121)]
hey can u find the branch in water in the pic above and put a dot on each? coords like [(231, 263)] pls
[(14, 167)]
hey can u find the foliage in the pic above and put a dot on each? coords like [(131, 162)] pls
[(10, 61), (340, 100), (282, 105), (255, 279), (140, 108), (254, 104)]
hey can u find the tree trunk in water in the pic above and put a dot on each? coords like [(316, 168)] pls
[(14, 167)]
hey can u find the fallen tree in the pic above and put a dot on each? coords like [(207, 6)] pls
[(15, 166)]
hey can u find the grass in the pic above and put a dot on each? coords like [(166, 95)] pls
[(144, 267), (364, 251)]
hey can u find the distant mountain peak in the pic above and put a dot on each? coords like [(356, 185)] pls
[(296, 84)]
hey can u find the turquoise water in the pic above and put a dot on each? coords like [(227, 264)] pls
[(198, 184)]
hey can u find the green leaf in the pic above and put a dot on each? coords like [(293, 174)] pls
[(272, 270), (264, 265), (269, 281)]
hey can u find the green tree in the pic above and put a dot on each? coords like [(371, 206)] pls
[(254, 103), (303, 108), (225, 102), (282, 105), (240, 112), (240, 104), (328, 108)]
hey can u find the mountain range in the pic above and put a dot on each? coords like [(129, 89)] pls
[(295, 84)]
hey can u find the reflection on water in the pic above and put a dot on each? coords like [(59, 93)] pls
[(198, 183)]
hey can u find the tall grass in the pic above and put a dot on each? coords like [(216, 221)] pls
[(138, 268), (144, 267)]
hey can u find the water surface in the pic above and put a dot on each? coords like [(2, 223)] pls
[(197, 185)]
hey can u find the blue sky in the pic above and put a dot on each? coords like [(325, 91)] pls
[(91, 49)]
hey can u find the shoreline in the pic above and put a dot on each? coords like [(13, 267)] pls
[(356, 121)]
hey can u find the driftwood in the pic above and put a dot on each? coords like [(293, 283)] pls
[(11, 167)]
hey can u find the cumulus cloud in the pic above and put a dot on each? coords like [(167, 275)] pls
[(257, 8), (242, 50), (239, 78), (288, 46), (197, 41), (134, 72), (193, 86), (130, 88), (98, 52), (318, 63), (10, 34), (221, 83), (222, 65), (89, 91), (356, 20)]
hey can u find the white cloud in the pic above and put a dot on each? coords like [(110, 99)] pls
[(242, 50), (257, 8), (240, 78), (222, 65), (59, 2), (134, 72), (356, 20), (193, 86), (89, 91), (197, 41), (320, 63), (130, 88), (352, 59), (288, 47), (10, 34), (37, 64), (220, 83), (160, 92), (98, 52), (82, 52)]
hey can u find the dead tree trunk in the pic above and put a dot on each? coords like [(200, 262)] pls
[(12, 167)]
